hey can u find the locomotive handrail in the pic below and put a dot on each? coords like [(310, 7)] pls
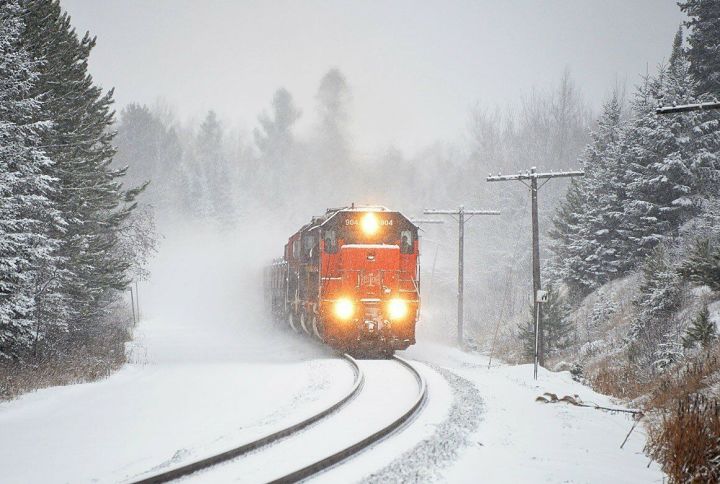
[(193, 467)]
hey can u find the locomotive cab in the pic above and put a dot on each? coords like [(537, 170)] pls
[(353, 280)]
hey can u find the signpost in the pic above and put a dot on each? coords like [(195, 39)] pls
[(540, 297)]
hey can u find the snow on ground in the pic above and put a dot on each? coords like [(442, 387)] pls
[(207, 372), (521, 440), (413, 453), (388, 391), (148, 417)]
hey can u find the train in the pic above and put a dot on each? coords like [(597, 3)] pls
[(351, 279)]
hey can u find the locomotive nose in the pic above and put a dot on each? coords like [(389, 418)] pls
[(370, 270)]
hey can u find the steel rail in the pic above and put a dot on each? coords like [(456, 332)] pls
[(193, 467), (363, 444)]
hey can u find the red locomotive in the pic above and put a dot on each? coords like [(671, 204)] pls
[(350, 278)]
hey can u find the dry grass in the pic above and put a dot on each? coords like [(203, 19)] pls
[(97, 357), (687, 441), (79, 367), (683, 421), (617, 378), (683, 416), (692, 377)]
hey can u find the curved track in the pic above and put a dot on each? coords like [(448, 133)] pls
[(346, 445), (347, 452), (193, 467)]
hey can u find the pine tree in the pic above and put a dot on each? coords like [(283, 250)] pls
[(333, 143), (90, 196), (276, 142), (702, 265), (659, 299), (704, 67), (644, 179), (659, 177), (586, 227), (333, 97), (215, 170), (274, 136), (151, 152), (704, 40), (702, 331), (25, 209), (566, 239)]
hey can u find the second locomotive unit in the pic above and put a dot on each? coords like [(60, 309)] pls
[(351, 279)]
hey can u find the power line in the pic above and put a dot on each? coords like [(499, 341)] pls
[(462, 216), (684, 108)]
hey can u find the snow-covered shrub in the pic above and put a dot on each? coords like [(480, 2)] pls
[(592, 348)]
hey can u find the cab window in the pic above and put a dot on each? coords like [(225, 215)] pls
[(330, 239), (406, 242), (309, 243)]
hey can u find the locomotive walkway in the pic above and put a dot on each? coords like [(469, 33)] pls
[(328, 437)]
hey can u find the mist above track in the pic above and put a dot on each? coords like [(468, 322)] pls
[(204, 299)]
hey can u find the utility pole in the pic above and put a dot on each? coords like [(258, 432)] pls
[(462, 217), (533, 177), (137, 299), (684, 108), (132, 305)]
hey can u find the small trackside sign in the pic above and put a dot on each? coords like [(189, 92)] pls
[(541, 296)]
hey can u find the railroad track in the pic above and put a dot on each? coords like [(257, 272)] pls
[(317, 465), (268, 439), (347, 452)]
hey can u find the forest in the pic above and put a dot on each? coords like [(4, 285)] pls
[(72, 234), (630, 252)]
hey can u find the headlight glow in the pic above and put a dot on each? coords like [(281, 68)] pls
[(369, 224), (397, 309), (344, 309)]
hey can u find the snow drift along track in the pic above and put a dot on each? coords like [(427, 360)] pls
[(188, 469), (363, 444)]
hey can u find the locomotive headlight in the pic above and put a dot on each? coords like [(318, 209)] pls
[(344, 309), (397, 309), (369, 224)]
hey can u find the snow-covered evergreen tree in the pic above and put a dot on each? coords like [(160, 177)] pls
[(702, 331), (26, 249), (278, 169), (704, 40), (704, 67), (586, 230), (643, 179), (151, 151), (90, 197), (274, 137), (333, 150), (702, 265), (218, 174), (659, 299), (659, 159)]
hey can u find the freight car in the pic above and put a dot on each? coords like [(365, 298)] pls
[(350, 278)]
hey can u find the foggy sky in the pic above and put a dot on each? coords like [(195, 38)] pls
[(415, 68)]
